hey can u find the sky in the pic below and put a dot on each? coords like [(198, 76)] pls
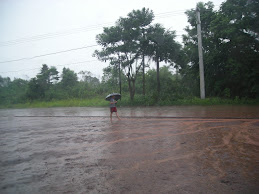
[(62, 33)]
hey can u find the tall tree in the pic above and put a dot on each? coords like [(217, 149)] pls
[(39, 86), (122, 44), (47, 76), (69, 83), (162, 47), (142, 22), (69, 78)]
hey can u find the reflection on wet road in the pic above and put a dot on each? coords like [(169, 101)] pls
[(151, 152)]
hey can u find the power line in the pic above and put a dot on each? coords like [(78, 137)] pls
[(52, 35), (54, 53), (44, 36), (68, 64), (77, 30), (28, 58), (81, 29), (168, 14)]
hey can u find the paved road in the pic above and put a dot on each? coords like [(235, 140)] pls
[(151, 150)]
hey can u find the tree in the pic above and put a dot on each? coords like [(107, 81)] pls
[(34, 90), (190, 72), (88, 77), (48, 76), (69, 78), (162, 47), (236, 29), (142, 19), (122, 44), (45, 79), (4, 81), (12, 92), (110, 80), (230, 48), (88, 84), (171, 85)]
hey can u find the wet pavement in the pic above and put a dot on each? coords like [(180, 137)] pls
[(179, 149)]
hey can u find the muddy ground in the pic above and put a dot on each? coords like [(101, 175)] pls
[(151, 150)]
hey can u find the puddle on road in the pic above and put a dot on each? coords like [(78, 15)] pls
[(167, 111), (84, 154)]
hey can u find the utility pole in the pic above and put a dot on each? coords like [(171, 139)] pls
[(201, 68), (143, 63), (120, 74)]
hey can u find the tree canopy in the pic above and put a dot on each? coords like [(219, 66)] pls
[(230, 47), (132, 38)]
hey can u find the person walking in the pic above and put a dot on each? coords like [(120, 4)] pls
[(113, 108)]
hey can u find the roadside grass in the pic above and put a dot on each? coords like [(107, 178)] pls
[(215, 101), (94, 102), (139, 100)]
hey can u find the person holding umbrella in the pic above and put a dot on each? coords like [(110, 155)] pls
[(113, 100)]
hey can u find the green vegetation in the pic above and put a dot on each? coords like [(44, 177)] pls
[(231, 58), (138, 101), (59, 103)]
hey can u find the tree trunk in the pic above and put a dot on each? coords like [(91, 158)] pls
[(120, 76), (157, 76), (131, 83)]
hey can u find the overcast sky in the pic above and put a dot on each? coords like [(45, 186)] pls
[(32, 29)]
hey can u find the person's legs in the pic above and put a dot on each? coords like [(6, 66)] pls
[(114, 109), (111, 117), (118, 116)]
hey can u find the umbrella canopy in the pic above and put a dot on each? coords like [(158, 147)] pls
[(117, 96)]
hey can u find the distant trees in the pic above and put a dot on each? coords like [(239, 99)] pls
[(171, 85), (110, 80), (69, 79), (48, 85), (39, 86), (12, 91)]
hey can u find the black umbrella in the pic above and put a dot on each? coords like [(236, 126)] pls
[(117, 96)]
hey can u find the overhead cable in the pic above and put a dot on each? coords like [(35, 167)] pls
[(68, 64), (28, 58), (77, 30)]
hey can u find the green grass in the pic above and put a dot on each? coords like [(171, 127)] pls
[(149, 101), (95, 102), (138, 101), (215, 101)]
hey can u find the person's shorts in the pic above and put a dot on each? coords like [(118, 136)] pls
[(113, 109)]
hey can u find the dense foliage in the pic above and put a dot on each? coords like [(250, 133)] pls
[(231, 60), (230, 47), (133, 39)]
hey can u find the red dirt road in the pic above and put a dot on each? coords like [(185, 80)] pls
[(88, 154)]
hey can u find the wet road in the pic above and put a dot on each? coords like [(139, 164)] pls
[(181, 149)]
